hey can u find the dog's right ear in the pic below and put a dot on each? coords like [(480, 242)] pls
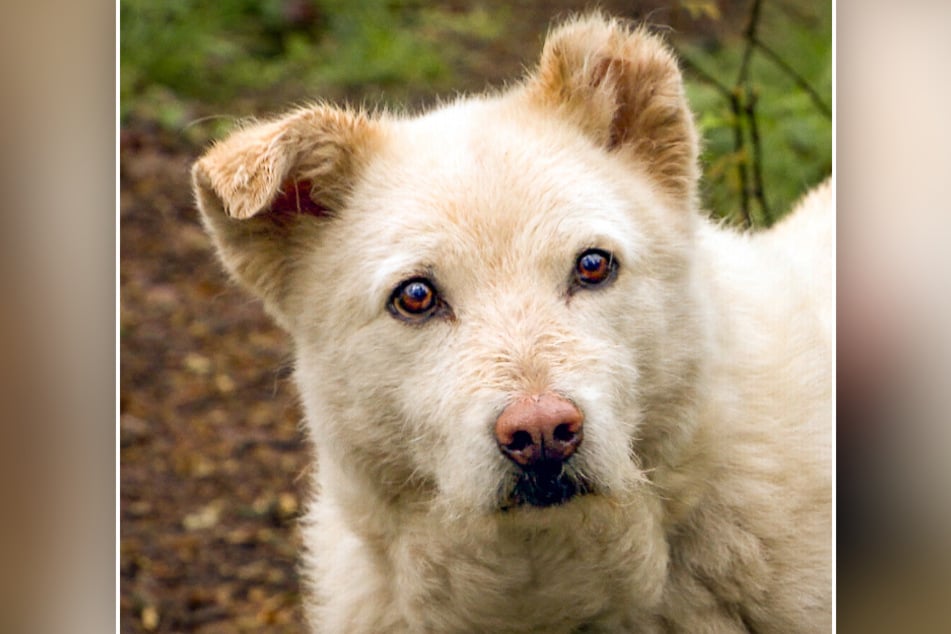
[(263, 190), (621, 85)]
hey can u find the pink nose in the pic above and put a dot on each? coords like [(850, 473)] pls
[(539, 428)]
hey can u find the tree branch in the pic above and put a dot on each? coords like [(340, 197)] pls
[(743, 99), (796, 77), (750, 35), (739, 149), (757, 161), (745, 109)]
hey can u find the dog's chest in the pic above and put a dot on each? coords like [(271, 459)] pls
[(518, 580)]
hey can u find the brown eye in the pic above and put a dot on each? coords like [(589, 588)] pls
[(414, 299), (594, 267)]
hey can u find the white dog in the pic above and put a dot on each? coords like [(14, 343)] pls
[(546, 394)]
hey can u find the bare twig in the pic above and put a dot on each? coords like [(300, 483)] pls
[(743, 87), (703, 75), (737, 125), (796, 77), (750, 34), (743, 100), (757, 161), (738, 147)]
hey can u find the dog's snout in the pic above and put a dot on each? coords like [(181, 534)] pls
[(540, 428)]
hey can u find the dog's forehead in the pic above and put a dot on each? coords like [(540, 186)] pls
[(489, 152), (479, 194), (492, 176)]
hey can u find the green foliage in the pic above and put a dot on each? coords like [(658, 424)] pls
[(184, 52), (184, 59), (796, 136)]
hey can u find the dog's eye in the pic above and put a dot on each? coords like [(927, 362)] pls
[(594, 268), (414, 299)]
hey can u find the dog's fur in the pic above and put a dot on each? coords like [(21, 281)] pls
[(703, 370)]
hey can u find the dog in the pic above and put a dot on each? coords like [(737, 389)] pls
[(546, 394)]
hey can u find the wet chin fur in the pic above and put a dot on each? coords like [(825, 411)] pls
[(543, 485)]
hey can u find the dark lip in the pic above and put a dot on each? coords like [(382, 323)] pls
[(546, 485)]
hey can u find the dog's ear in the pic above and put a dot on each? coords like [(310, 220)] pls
[(263, 190), (622, 86)]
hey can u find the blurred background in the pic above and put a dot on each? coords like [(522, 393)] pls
[(213, 468), (760, 72), (894, 310)]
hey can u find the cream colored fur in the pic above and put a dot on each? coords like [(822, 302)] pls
[(703, 371)]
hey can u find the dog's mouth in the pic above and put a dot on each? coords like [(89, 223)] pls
[(547, 483)]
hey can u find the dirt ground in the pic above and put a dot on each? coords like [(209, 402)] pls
[(214, 467)]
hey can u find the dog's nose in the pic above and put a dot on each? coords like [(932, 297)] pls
[(539, 428)]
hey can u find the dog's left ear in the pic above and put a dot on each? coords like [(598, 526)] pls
[(622, 86)]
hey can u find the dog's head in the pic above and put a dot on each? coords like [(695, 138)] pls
[(491, 303)]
